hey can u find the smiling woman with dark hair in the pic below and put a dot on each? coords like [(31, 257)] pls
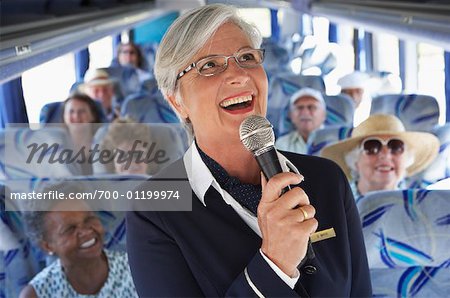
[(83, 266)]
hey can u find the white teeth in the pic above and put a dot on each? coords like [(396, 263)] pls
[(233, 101), (88, 243), (384, 168)]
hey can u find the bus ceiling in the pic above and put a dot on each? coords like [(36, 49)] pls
[(38, 38), (30, 39)]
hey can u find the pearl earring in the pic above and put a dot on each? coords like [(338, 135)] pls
[(51, 253)]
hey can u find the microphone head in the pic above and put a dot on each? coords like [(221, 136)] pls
[(256, 133)]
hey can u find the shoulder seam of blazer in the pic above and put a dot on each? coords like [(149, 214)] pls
[(252, 285)]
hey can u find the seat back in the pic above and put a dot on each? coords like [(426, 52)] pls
[(168, 138), (17, 160), (53, 112), (407, 238), (281, 89), (145, 107), (417, 112), (440, 168), (340, 110), (327, 136)]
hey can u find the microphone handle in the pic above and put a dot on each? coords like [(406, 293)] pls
[(270, 165)]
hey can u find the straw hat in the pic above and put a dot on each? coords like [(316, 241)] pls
[(421, 145), (97, 77)]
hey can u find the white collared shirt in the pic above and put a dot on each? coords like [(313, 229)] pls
[(200, 179)]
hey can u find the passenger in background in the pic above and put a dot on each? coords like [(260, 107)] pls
[(79, 114), (130, 54), (380, 154), (132, 138), (354, 85), (99, 86), (307, 113), (83, 266)]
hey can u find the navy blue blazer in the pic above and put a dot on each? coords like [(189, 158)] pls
[(211, 251)]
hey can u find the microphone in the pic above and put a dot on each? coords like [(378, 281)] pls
[(257, 136)]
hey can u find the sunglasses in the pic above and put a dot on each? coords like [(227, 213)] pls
[(373, 146)]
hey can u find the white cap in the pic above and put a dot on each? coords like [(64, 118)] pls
[(95, 77), (354, 80), (307, 92)]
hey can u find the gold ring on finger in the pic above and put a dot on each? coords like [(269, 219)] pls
[(305, 214)]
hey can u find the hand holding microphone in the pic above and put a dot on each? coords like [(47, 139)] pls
[(285, 216)]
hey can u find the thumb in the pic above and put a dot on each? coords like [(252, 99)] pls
[(263, 181)]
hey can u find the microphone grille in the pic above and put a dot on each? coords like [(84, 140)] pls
[(256, 133)]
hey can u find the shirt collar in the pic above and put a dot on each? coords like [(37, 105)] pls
[(201, 178)]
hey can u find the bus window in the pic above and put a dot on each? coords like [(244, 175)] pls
[(431, 75), (385, 52), (101, 53), (260, 17), (47, 83)]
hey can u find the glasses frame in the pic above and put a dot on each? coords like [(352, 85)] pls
[(383, 143), (194, 64)]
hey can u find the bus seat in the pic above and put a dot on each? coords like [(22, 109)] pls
[(440, 168), (340, 110), (417, 112), (53, 112), (281, 89), (13, 148), (20, 264), (145, 107), (327, 136), (407, 238), (169, 138), (276, 59)]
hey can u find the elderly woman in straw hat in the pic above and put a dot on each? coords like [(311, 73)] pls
[(380, 154)]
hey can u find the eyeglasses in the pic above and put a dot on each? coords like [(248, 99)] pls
[(212, 65), (372, 146)]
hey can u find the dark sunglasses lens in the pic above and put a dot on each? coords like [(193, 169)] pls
[(372, 147), (396, 146)]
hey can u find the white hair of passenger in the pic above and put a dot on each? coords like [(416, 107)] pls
[(186, 37)]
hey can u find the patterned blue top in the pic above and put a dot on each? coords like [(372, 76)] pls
[(51, 282)]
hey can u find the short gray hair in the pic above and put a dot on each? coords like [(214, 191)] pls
[(187, 35)]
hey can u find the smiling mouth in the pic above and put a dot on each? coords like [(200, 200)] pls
[(88, 243), (237, 103), (385, 168)]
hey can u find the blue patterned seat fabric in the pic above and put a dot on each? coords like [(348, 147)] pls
[(171, 138), (14, 150), (417, 112), (327, 136), (440, 168), (148, 107), (407, 238), (340, 110)]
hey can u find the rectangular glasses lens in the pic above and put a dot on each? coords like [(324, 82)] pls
[(250, 58), (211, 65)]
